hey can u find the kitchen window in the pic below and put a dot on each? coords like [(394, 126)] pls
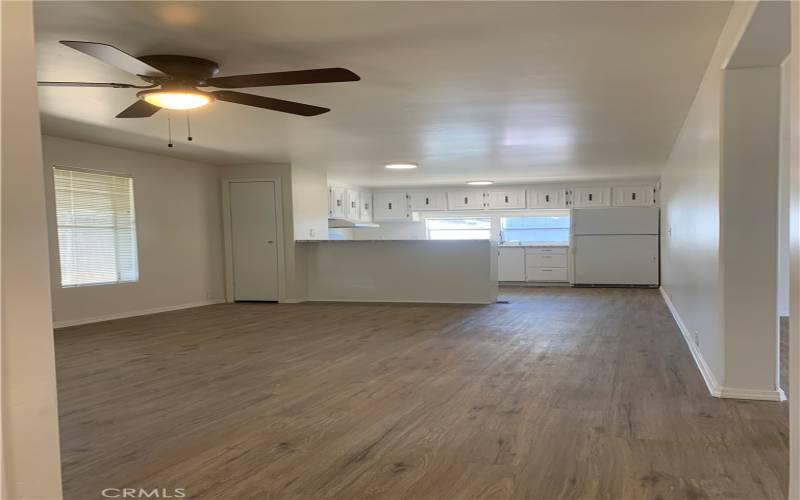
[(96, 225), (467, 228), (535, 229)]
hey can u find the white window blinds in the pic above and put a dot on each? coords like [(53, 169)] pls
[(96, 227)]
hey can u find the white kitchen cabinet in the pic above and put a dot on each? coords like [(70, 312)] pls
[(546, 264), (508, 198), (365, 209), (587, 197), (510, 264), (466, 200), (390, 206), (547, 198), (633, 196), (336, 202), (352, 208), (421, 201)]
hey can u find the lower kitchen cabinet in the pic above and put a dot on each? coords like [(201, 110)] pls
[(533, 264), (510, 264), (546, 264)]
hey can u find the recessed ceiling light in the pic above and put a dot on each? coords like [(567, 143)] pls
[(176, 98), (401, 166), (480, 183)]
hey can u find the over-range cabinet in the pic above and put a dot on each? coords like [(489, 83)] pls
[(616, 246)]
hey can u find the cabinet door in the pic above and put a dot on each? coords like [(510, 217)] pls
[(390, 206), (591, 197), (336, 202), (427, 200), (352, 209), (547, 198), (465, 200), (511, 198), (510, 264), (365, 211), (633, 196)]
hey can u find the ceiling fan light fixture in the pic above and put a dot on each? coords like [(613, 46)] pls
[(480, 183), (176, 99), (401, 166)]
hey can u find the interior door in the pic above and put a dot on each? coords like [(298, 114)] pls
[(254, 240)]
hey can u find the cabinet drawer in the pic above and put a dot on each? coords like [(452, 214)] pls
[(546, 250), (546, 274), (544, 260)]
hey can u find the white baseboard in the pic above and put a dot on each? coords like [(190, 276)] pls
[(403, 301), (714, 388), (131, 314)]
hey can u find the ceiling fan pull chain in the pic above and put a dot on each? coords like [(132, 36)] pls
[(188, 127), (169, 128)]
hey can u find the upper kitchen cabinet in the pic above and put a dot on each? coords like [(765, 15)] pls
[(336, 202), (465, 200), (591, 197), (352, 209), (365, 209), (547, 198), (421, 201), (507, 198), (389, 206), (634, 196)]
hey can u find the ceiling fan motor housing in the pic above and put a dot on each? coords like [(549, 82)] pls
[(185, 69)]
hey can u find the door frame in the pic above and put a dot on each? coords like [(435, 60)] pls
[(228, 240)]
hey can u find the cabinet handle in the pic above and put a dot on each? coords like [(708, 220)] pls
[(338, 203), (633, 196), (427, 201), (390, 205), (547, 198), (506, 199), (466, 201), (590, 196)]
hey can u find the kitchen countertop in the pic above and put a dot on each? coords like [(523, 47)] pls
[(524, 245), (380, 241)]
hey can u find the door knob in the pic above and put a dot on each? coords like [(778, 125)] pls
[(270, 242)]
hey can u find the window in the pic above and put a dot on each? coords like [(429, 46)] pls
[(96, 227), (469, 228), (536, 229)]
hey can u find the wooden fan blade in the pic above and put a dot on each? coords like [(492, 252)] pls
[(324, 75), (94, 84), (139, 109), (258, 101), (115, 57)]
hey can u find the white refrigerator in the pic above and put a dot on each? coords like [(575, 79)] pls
[(615, 246)]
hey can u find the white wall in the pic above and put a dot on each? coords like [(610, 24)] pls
[(720, 208), (749, 227), (402, 271), (178, 228), (784, 192), (690, 208), (310, 203), (794, 264), (30, 451)]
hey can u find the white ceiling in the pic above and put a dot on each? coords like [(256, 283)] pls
[(511, 92)]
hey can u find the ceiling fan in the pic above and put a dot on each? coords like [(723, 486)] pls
[(175, 81)]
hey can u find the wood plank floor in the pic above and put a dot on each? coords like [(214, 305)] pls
[(560, 394)]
